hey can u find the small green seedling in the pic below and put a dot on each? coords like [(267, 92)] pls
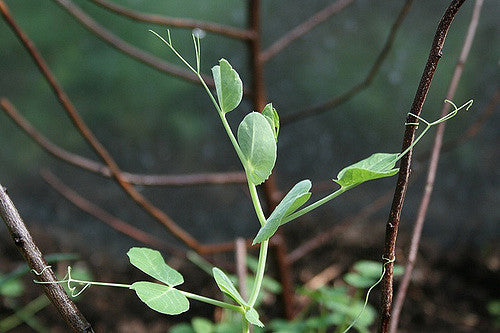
[(256, 146)]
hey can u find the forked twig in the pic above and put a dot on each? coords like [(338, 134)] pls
[(302, 28), (126, 48), (404, 171), (103, 170), (24, 242), (431, 173), (337, 101), (175, 22), (93, 142)]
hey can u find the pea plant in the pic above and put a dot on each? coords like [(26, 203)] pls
[(255, 144)]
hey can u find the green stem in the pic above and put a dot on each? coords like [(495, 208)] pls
[(212, 301), (316, 204), (245, 325), (256, 203), (259, 275)]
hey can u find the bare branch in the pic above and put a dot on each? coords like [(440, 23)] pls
[(25, 244), (99, 213), (175, 22), (92, 141), (128, 49), (404, 170), (339, 100), (103, 170), (303, 28), (431, 173)]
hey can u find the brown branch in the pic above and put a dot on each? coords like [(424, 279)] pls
[(128, 49), (25, 244), (303, 28), (103, 170), (339, 100), (431, 173), (175, 22), (102, 215), (404, 171), (92, 141)]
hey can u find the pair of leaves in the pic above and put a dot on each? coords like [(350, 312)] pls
[(227, 287), (294, 199), (228, 86), (272, 117), (376, 166), (159, 297)]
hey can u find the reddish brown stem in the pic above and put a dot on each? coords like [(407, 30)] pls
[(175, 22), (103, 170), (25, 244), (128, 49), (339, 100), (431, 173), (92, 141), (303, 28), (404, 170)]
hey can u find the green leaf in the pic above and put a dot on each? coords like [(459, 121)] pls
[(378, 165), (202, 325), (151, 262), (368, 268), (228, 85), (293, 198), (161, 298), (11, 288), (257, 143), (359, 281), (226, 286), (253, 317), (272, 117)]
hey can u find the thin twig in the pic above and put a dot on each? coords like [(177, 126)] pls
[(102, 215), (339, 100), (92, 141), (175, 22), (404, 171), (24, 242), (128, 49), (303, 28), (431, 173), (103, 170)]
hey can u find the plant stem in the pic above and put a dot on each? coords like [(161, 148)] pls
[(212, 301), (259, 275)]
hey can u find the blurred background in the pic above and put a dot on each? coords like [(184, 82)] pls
[(154, 123)]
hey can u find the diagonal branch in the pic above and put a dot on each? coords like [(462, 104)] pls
[(128, 49), (302, 28), (175, 22), (92, 141), (404, 171), (103, 170), (99, 213), (31, 253), (339, 100), (431, 173)]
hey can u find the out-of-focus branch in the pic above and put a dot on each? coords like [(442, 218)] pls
[(302, 28), (103, 170), (431, 172), (24, 242), (93, 142), (404, 169), (99, 213), (175, 22), (128, 49), (337, 101)]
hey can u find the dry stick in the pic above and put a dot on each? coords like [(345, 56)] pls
[(103, 170), (404, 171), (175, 22), (241, 266), (431, 173), (99, 213), (303, 28), (24, 242), (128, 49), (90, 138), (339, 100)]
